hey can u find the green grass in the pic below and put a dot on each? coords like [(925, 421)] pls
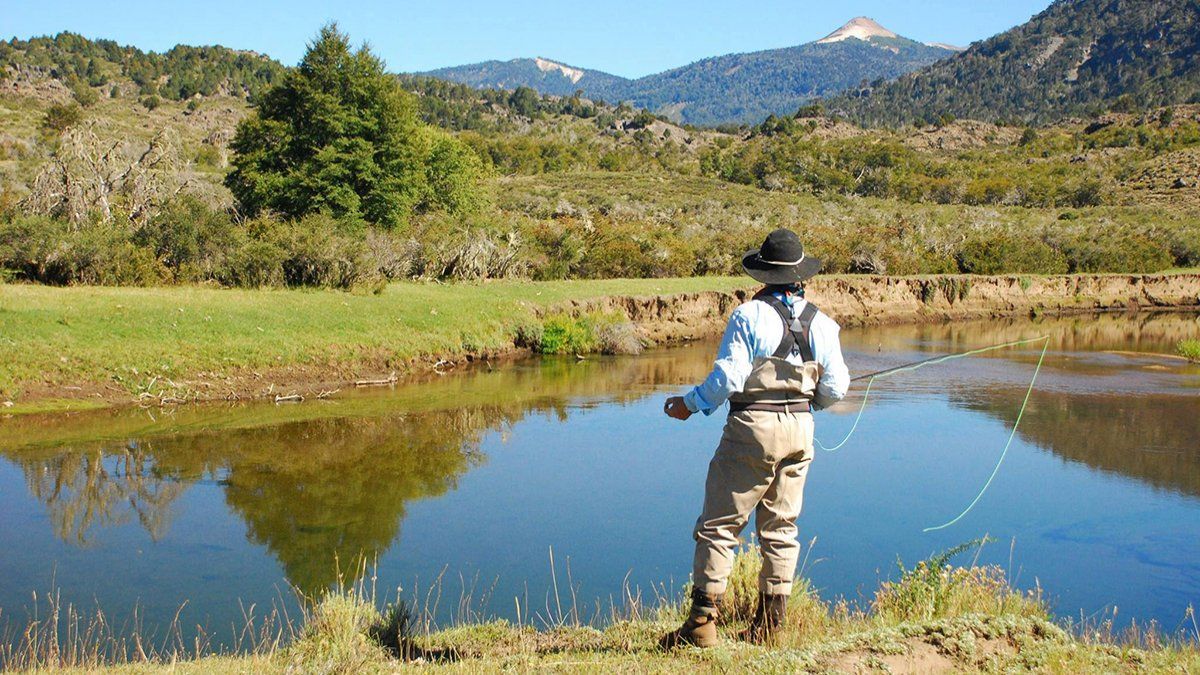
[(1190, 350), (137, 339)]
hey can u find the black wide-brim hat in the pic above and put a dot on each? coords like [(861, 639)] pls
[(781, 260)]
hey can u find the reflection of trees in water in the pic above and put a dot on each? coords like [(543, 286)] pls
[(1145, 331), (312, 489), (1151, 437), (95, 489), (319, 494), (313, 492)]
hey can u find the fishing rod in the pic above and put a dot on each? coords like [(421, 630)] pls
[(942, 357)]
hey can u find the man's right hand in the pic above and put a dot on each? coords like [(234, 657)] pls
[(676, 408)]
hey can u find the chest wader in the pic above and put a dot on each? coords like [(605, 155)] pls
[(759, 467), (776, 384)]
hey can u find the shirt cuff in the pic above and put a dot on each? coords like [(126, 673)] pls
[(692, 401)]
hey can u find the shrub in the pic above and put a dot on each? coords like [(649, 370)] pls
[(615, 334), (1007, 253), (254, 264), (337, 636), (322, 251), (1116, 252), (934, 589), (1189, 349), (189, 238), (84, 95), (59, 117), (150, 102), (565, 334)]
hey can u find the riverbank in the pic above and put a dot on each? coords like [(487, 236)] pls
[(934, 618), (80, 347)]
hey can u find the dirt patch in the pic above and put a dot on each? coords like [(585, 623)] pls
[(920, 658), (961, 135)]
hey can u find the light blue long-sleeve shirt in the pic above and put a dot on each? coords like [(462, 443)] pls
[(754, 331)]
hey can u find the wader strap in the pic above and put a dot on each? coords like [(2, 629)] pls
[(795, 332)]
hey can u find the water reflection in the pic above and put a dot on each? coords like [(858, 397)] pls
[(1149, 437), (87, 490), (318, 491)]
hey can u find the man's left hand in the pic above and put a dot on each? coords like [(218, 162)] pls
[(676, 408)]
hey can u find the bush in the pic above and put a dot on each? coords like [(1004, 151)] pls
[(189, 238), (60, 117), (322, 251), (84, 95), (254, 264), (1115, 251), (150, 102), (934, 589), (606, 333), (565, 334), (1189, 349), (1008, 253)]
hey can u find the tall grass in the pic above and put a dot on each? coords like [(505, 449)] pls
[(349, 628), (58, 634)]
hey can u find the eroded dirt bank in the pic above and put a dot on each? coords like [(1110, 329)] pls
[(871, 300)]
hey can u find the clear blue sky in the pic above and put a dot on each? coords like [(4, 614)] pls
[(624, 37)]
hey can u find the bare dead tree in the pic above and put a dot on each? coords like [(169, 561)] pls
[(91, 172)]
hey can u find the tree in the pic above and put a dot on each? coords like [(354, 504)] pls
[(525, 101), (339, 135)]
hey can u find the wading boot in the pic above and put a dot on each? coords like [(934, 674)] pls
[(768, 618), (700, 629)]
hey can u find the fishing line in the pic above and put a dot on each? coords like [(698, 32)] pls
[(942, 359)]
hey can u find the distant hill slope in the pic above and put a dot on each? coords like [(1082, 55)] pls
[(177, 74), (731, 88), (749, 87), (1076, 57), (548, 77)]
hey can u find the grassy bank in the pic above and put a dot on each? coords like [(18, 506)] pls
[(111, 344), (932, 618)]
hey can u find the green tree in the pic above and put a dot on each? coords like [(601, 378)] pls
[(525, 101), (339, 135), (59, 117)]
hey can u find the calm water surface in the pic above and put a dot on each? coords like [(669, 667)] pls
[(476, 477)]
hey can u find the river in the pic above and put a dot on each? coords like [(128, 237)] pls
[(475, 478)]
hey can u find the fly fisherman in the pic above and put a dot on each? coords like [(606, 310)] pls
[(779, 360)]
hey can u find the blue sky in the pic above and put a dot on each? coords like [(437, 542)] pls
[(624, 37)]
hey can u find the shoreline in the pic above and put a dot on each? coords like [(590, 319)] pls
[(334, 361)]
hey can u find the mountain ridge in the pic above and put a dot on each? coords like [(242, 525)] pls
[(739, 87), (1075, 58)]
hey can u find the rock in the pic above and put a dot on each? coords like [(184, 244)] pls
[(1182, 182)]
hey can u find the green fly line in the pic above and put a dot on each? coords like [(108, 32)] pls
[(942, 359)]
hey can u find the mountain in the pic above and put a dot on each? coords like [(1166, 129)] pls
[(1074, 58), (732, 88), (548, 77)]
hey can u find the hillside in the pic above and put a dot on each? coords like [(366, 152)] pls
[(575, 188), (544, 75), (74, 63), (735, 88), (1075, 58)]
